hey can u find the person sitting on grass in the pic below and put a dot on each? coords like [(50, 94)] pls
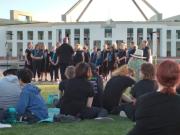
[(97, 84), (147, 84), (158, 113), (144, 86), (115, 89), (69, 74), (9, 88), (31, 107), (78, 96)]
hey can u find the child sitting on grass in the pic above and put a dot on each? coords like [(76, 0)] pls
[(31, 107)]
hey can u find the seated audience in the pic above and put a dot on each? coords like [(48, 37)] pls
[(31, 107), (9, 88), (70, 74), (147, 84), (115, 87), (136, 61), (97, 84), (78, 96), (157, 113)]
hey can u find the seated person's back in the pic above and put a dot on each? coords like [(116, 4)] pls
[(31, 103), (115, 88), (147, 84), (9, 89), (157, 113), (76, 95)]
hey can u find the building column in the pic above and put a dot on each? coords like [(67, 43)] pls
[(35, 37), (46, 38), (135, 35), (14, 44), (63, 34), (72, 38), (54, 37), (25, 41), (173, 43), (125, 35), (144, 33), (82, 37), (163, 42), (154, 35)]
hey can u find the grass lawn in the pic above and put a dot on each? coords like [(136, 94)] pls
[(120, 126)]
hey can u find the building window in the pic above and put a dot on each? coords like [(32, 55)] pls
[(9, 35), (139, 35), (40, 35), (77, 36), (168, 34), (168, 49), (19, 35), (177, 49), (129, 35), (177, 34), (68, 34), (86, 36), (49, 35), (150, 34), (108, 33), (30, 35), (49, 46)]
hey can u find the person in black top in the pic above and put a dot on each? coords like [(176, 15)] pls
[(86, 54), (28, 59), (103, 69), (147, 84), (131, 51), (70, 74), (78, 55), (97, 84), (93, 57), (111, 59), (37, 56), (45, 62), (146, 51), (122, 55), (78, 96), (115, 88), (65, 53), (157, 113), (53, 62)]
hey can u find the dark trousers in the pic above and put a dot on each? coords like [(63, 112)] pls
[(54, 72), (28, 117), (93, 112), (63, 67), (36, 68), (28, 66), (128, 108)]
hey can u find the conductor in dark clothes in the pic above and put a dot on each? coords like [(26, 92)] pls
[(65, 53)]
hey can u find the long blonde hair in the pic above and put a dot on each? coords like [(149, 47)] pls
[(122, 71)]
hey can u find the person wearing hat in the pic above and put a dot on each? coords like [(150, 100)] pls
[(9, 88), (136, 61)]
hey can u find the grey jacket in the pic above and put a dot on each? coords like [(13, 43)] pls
[(9, 91)]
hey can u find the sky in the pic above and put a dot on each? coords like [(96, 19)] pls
[(99, 10)]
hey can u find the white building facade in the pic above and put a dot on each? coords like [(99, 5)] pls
[(163, 37)]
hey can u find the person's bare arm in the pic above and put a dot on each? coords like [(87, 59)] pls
[(89, 102), (126, 98)]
